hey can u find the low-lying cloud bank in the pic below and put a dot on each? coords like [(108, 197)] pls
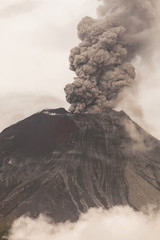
[(118, 223)]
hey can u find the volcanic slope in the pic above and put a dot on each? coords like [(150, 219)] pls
[(61, 164)]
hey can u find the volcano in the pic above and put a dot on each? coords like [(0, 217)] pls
[(61, 164)]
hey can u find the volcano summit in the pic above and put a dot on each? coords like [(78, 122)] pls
[(62, 164)]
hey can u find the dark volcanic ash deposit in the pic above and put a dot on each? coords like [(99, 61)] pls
[(61, 165)]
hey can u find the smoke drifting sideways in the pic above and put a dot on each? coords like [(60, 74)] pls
[(103, 60), (118, 223)]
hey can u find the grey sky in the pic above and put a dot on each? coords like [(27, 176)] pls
[(36, 38)]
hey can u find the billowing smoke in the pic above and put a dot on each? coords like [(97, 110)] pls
[(119, 223), (103, 59)]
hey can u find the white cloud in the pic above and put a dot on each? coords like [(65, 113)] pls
[(119, 223)]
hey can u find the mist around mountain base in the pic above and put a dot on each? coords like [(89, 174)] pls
[(118, 223)]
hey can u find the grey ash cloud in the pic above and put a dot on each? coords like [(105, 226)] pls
[(103, 60)]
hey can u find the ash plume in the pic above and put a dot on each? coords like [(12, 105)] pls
[(103, 60)]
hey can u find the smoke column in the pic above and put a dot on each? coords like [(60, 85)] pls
[(103, 60)]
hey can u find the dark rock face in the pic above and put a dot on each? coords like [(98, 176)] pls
[(62, 164)]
